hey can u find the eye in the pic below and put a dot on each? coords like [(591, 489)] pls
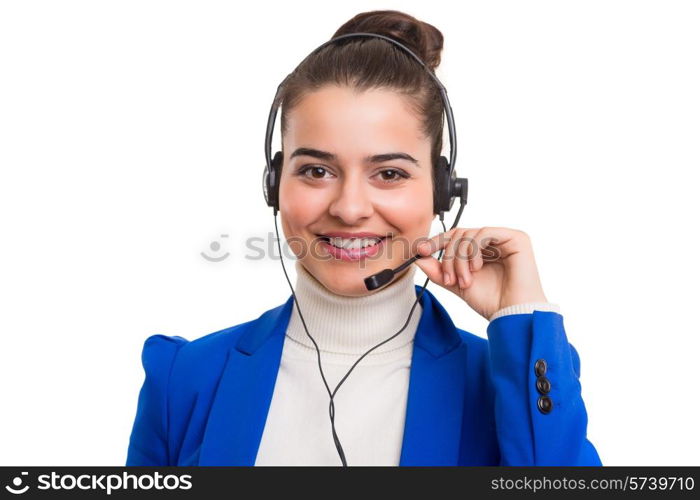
[(314, 169), (395, 175)]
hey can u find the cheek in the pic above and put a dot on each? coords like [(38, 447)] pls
[(298, 207), (409, 219), (411, 211)]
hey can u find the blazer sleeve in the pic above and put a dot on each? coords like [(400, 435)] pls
[(522, 349), (148, 443)]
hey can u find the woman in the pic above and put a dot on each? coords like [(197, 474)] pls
[(431, 394)]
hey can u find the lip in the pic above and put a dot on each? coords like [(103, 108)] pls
[(342, 234), (353, 254)]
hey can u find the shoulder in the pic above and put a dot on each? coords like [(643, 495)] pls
[(176, 355)]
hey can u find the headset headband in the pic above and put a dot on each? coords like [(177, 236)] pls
[(443, 92)]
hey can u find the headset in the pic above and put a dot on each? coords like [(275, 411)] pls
[(447, 187)]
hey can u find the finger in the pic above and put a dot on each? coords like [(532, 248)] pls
[(437, 242), (448, 259), (432, 269), (462, 261), (476, 260), (503, 240)]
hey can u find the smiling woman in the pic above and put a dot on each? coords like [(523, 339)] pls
[(358, 184)]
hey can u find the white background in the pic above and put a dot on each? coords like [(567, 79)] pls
[(131, 137)]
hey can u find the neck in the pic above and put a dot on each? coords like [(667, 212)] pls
[(353, 325)]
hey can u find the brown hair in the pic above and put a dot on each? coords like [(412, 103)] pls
[(364, 63)]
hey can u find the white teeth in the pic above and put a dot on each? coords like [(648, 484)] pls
[(353, 243)]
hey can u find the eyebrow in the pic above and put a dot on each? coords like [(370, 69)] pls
[(325, 155)]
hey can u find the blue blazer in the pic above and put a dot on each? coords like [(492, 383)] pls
[(471, 401)]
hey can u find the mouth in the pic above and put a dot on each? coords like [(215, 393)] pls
[(352, 249), (351, 243)]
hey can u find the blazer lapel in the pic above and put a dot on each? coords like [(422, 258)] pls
[(434, 410), (435, 394), (242, 400)]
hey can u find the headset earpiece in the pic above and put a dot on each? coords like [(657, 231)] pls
[(442, 199), (447, 187), (271, 182)]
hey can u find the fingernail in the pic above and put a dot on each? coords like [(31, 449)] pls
[(447, 278)]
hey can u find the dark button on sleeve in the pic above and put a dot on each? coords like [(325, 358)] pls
[(540, 367), (544, 404), (543, 385)]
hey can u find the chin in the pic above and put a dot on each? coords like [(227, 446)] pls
[(349, 282)]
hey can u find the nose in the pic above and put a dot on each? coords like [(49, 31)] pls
[(353, 201)]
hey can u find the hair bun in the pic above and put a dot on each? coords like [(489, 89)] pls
[(424, 39)]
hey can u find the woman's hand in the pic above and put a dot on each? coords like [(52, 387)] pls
[(489, 268)]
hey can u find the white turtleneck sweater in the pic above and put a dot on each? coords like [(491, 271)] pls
[(370, 405)]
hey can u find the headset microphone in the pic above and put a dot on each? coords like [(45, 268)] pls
[(383, 277), (447, 187)]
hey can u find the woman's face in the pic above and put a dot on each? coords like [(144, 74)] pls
[(330, 184)]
